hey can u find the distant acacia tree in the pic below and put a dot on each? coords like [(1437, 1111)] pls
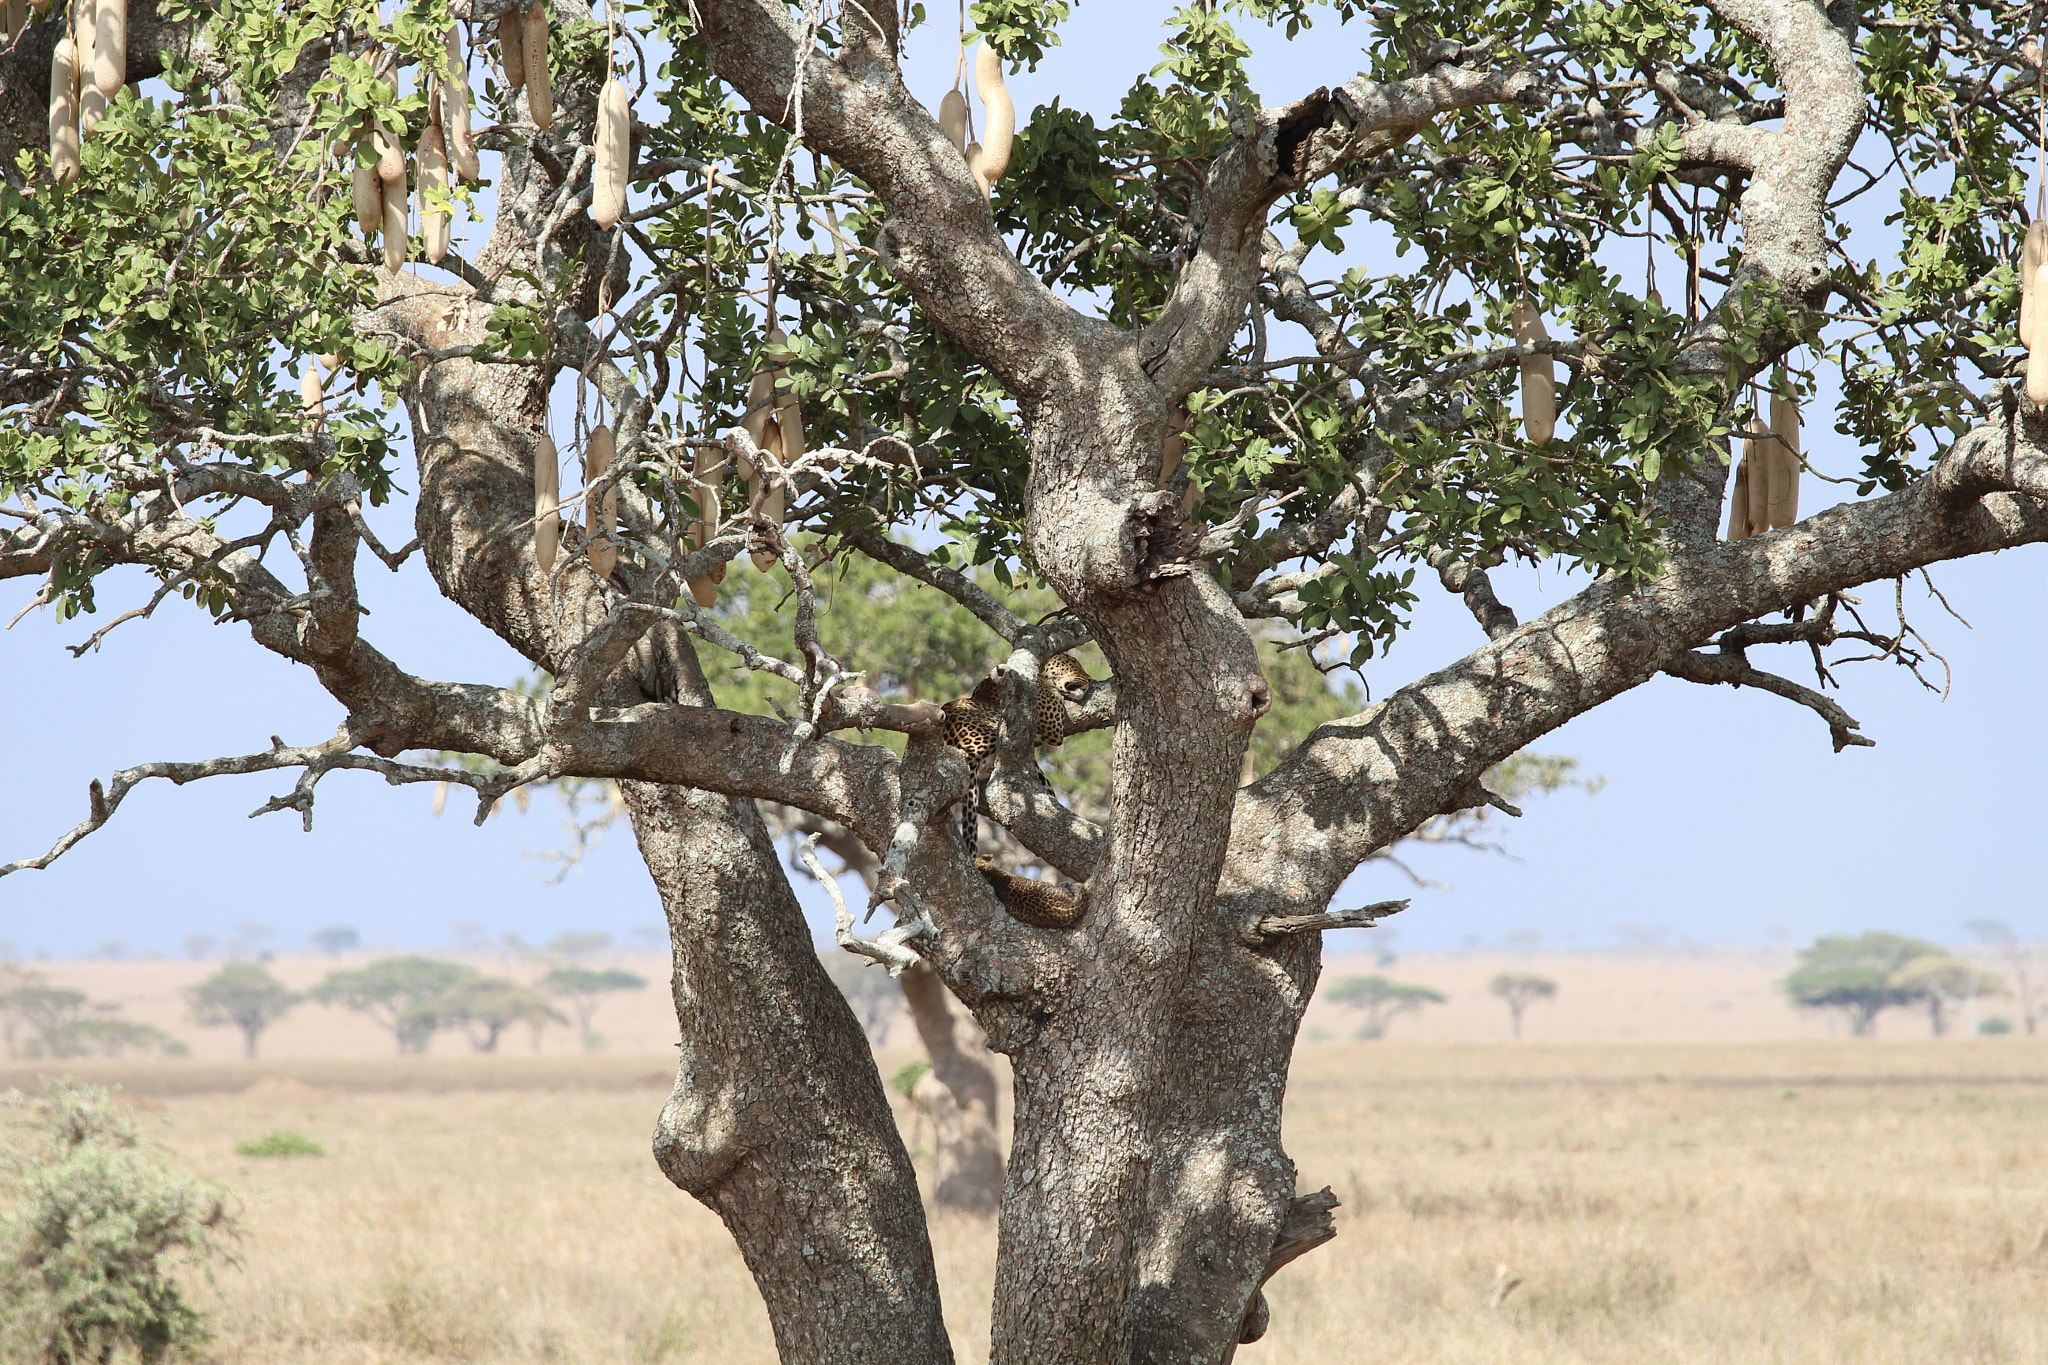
[(244, 995), (1859, 975), (585, 988), (2022, 959), (1520, 990), (1381, 1001), (64, 1022), (391, 990), (484, 1007), (1943, 983), (336, 939)]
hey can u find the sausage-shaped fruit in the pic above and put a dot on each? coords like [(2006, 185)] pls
[(547, 499), (1738, 499), (1539, 375), (109, 61), (368, 192), (64, 111), (1756, 453), (614, 153), (455, 119), (788, 436), (2037, 348), (708, 467), (434, 223), (310, 405), (540, 86), (330, 361), (999, 117), (512, 46), (953, 117), (390, 156), (395, 243), (760, 412), (771, 502), (1783, 508), (600, 515), (2033, 254)]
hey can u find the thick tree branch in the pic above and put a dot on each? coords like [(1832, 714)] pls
[(1359, 784)]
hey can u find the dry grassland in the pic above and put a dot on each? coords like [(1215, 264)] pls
[(1790, 1202)]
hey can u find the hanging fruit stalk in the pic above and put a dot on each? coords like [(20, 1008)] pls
[(540, 89), (614, 153), (600, 515), (433, 179), (395, 243), (1783, 508), (999, 119), (1539, 375), (64, 111), (2033, 255), (953, 117), (512, 47), (455, 118), (547, 499)]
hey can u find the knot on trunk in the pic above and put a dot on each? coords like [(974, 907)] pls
[(1308, 1225), (1161, 540)]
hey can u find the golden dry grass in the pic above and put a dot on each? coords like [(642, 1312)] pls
[(1787, 1202)]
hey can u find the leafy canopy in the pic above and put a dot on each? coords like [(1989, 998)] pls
[(161, 301)]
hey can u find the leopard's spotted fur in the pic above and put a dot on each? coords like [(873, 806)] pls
[(972, 725), (1045, 904)]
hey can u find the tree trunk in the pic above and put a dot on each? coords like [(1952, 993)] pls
[(778, 1121), (959, 1093), (1146, 1175)]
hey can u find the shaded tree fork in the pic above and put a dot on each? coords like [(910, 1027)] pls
[(1147, 1194)]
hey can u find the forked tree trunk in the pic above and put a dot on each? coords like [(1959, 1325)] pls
[(778, 1121), (1146, 1176)]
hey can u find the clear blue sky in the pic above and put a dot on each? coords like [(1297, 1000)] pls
[(1726, 817)]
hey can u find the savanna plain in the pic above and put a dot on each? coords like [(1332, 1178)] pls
[(1804, 1199)]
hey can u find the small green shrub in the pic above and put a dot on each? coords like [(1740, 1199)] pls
[(99, 1225), (283, 1142), (904, 1082), (1996, 1026)]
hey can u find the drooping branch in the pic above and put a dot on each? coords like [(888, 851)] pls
[(317, 761), (1732, 668)]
